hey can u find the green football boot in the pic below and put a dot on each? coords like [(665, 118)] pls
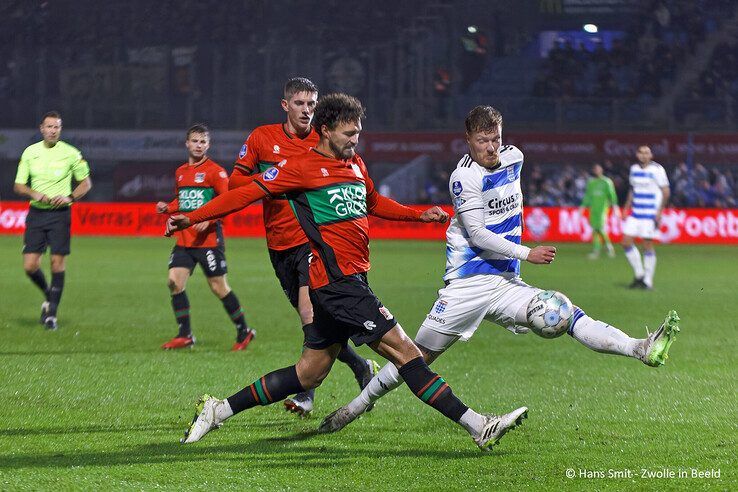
[(657, 347)]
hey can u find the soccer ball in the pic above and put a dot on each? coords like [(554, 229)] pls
[(548, 313)]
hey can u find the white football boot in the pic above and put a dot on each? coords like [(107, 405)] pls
[(204, 421), (497, 425)]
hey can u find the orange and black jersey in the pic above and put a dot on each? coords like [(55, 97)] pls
[(266, 146), (331, 200), (197, 185)]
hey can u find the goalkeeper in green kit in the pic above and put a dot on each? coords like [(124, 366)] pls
[(598, 198)]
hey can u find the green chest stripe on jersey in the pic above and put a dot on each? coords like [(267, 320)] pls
[(342, 201), (264, 165), (192, 197)]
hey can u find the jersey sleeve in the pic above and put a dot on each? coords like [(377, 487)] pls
[(23, 173), (612, 194), (661, 179), (219, 180), (384, 207), (281, 178), (248, 156), (465, 186), (80, 168)]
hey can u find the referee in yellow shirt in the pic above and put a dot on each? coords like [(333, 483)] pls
[(45, 175)]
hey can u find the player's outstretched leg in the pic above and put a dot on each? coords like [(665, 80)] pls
[(433, 390), (211, 412), (601, 337)]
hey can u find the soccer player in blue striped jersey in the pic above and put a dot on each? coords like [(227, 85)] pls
[(649, 192), (483, 257)]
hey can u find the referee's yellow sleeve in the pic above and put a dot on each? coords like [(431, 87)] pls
[(80, 169), (23, 171)]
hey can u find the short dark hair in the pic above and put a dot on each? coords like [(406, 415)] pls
[(51, 114), (483, 119), (333, 109), (298, 84), (198, 128)]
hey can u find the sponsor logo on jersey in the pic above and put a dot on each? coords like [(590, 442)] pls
[(243, 151), (193, 198), (199, 177), (348, 200), (369, 325), (324, 171), (440, 307), (508, 204), (441, 321), (386, 313), (271, 173), (276, 149), (282, 162), (456, 188)]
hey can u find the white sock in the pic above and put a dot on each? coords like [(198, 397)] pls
[(473, 422), (223, 410), (649, 265), (601, 337), (634, 258), (385, 381)]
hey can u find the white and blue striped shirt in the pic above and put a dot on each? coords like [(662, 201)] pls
[(646, 183), (499, 195)]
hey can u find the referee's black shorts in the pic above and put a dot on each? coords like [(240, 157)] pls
[(48, 228)]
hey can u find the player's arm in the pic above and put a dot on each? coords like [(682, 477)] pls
[(81, 174), (21, 183), (386, 208), (663, 182), (628, 200)]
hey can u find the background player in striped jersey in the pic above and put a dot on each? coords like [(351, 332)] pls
[(648, 194), (483, 255), (333, 194), (289, 250), (198, 180), (599, 196)]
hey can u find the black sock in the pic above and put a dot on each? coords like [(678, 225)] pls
[(357, 363), (432, 389), (55, 292), (235, 311), (181, 306), (39, 279), (272, 387)]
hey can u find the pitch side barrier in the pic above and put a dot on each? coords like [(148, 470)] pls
[(552, 224)]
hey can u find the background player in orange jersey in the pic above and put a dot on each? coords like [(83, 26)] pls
[(289, 249), (198, 181), (333, 195)]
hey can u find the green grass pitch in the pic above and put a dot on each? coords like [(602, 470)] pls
[(98, 404)]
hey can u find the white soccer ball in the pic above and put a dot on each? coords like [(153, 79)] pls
[(548, 313)]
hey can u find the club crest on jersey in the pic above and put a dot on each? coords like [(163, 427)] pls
[(456, 188), (440, 307), (276, 149), (511, 174), (271, 173), (242, 152), (199, 177)]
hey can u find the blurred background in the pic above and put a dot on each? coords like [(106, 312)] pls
[(578, 82)]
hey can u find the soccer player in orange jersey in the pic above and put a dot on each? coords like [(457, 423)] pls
[(289, 249), (198, 181), (333, 195)]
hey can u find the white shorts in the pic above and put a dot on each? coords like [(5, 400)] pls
[(642, 228), (464, 303)]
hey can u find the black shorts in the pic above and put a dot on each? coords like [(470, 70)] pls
[(347, 309), (292, 268), (48, 228), (211, 260)]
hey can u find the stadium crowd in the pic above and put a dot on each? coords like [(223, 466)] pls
[(636, 65), (551, 185)]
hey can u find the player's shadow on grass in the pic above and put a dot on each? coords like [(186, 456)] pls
[(271, 454)]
